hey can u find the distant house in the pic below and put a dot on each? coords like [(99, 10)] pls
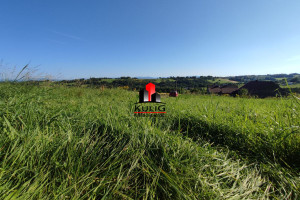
[(262, 89), (226, 89), (213, 89)]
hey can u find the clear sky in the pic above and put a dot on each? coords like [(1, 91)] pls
[(112, 38)]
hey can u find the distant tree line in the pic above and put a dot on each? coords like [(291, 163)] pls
[(191, 83), (294, 77), (187, 84)]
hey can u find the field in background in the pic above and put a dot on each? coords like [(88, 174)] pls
[(222, 81), (291, 86), (83, 143)]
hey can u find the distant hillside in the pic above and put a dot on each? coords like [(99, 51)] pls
[(194, 84), (268, 77), (223, 80)]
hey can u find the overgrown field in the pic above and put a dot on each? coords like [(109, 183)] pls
[(81, 143)]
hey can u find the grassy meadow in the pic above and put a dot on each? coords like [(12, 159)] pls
[(82, 143)]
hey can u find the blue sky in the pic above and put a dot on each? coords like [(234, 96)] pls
[(112, 38)]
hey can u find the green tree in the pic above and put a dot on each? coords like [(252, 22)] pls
[(243, 92)]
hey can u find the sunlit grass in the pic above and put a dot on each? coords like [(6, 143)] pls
[(81, 143)]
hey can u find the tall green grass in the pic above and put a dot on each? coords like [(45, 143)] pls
[(75, 143), (256, 127)]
